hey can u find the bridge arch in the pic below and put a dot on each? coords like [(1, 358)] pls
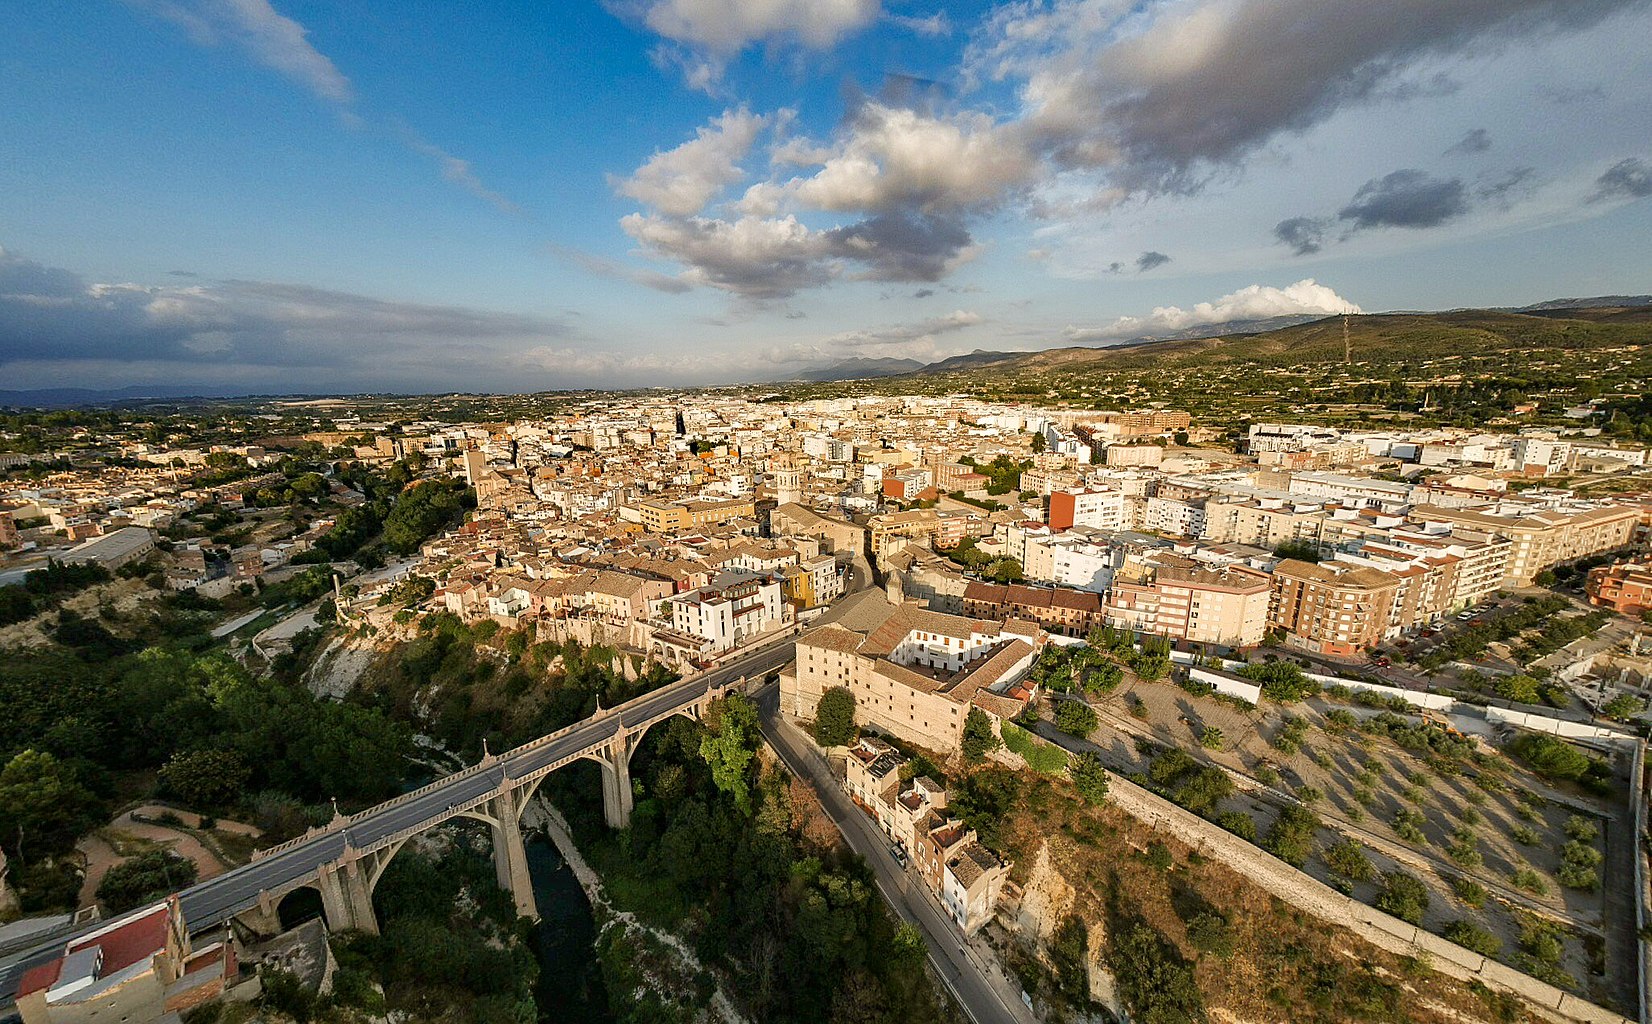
[(298, 906)]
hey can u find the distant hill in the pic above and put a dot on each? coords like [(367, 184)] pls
[(861, 369), (1387, 337), (66, 398), (1616, 301)]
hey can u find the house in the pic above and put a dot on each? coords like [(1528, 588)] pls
[(136, 969)]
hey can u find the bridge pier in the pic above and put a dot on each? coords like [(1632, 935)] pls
[(347, 898), (510, 856), (617, 797)]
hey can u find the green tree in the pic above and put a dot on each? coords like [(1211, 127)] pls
[(1473, 937), (1404, 896), (1624, 706), (43, 807), (1088, 776), (835, 717), (206, 778), (729, 745), (979, 738), (1075, 717), (1520, 688), (145, 878)]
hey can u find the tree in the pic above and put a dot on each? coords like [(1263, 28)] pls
[(1090, 778), (146, 878), (1404, 896), (43, 807), (1624, 706), (979, 737), (1005, 570), (835, 717), (1039, 443), (1522, 689), (1075, 717), (206, 778), (729, 745)]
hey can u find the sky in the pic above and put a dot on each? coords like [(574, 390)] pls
[(280, 196)]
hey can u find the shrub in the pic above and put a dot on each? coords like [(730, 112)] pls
[(1211, 738), (1075, 717), (1464, 848), (1523, 835), (1404, 896), (1530, 881), (1239, 823), (1088, 776), (1473, 937), (1581, 829), (1291, 837), (1469, 891), (1348, 859), (1408, 825), (146, 878)]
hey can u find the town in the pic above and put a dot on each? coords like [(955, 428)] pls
[(1060, 591)]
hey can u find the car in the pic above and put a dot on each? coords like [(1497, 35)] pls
[(899, 855)]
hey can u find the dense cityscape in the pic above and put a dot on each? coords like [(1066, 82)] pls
[(825, 512)]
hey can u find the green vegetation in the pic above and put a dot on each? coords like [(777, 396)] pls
[(835, 717), (1042, 757), (1198, 788), (978, 740), (1473, 937), (1404, 896), (1347, 858), (1088, 775), (1073, 668), (1291, 837), (45, 589), (1281, 681), (1075, 717), (143, 879), (1556, 759)]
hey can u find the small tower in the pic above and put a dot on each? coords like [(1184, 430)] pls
[(788, 478)]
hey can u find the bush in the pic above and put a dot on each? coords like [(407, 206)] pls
[(1088, 776), (1041, 757), (1469, 891), (143, 879), (1403, 895), (1464, 848), (1581, 829), (1211, 738), (1281, 681), (1531, 881), (1408, 825), (1348, 859), (1473, 937), (979, 739), (1291, 837), (1076, 718), (1523, 835), (1239, 823)]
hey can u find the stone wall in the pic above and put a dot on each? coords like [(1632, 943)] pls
[(1380, 929)]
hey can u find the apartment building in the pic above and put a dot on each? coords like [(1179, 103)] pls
[(1055, 609), (813, 582), (684, 516), (915, 673), (1168, 595), (732, 609), (1626, 587), (1263, 522), (1174, 518), (1099, 509), (1332, 608), (1542, 537)]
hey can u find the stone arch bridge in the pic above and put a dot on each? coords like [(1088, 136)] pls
[(345, 860)]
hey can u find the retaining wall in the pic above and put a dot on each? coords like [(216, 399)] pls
[(1226, 684), (1376, 927)]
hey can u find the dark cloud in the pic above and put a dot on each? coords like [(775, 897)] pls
[(1627, 179), (923, 293), (51, 315), (1405, 199), (1475, 141), (605, 267), (901, 247), (1264, 67), (1305, 235), (1505, 189), (1150, 260), (182, 273)]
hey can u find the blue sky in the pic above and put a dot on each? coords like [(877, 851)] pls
[(283, 195)]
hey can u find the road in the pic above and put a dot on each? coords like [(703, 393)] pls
[(213, 902), (973, 974)]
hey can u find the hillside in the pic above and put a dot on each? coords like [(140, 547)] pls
[(1393, 337)]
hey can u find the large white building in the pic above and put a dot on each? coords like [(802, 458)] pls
[(728, 611)]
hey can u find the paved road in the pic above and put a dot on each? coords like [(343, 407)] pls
[(976, 979), (212, 902)]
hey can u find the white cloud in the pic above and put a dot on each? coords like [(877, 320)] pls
[(458, 171), (1255, 302), (728, 26), (682, 181), (267, 36), (892, 158)]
